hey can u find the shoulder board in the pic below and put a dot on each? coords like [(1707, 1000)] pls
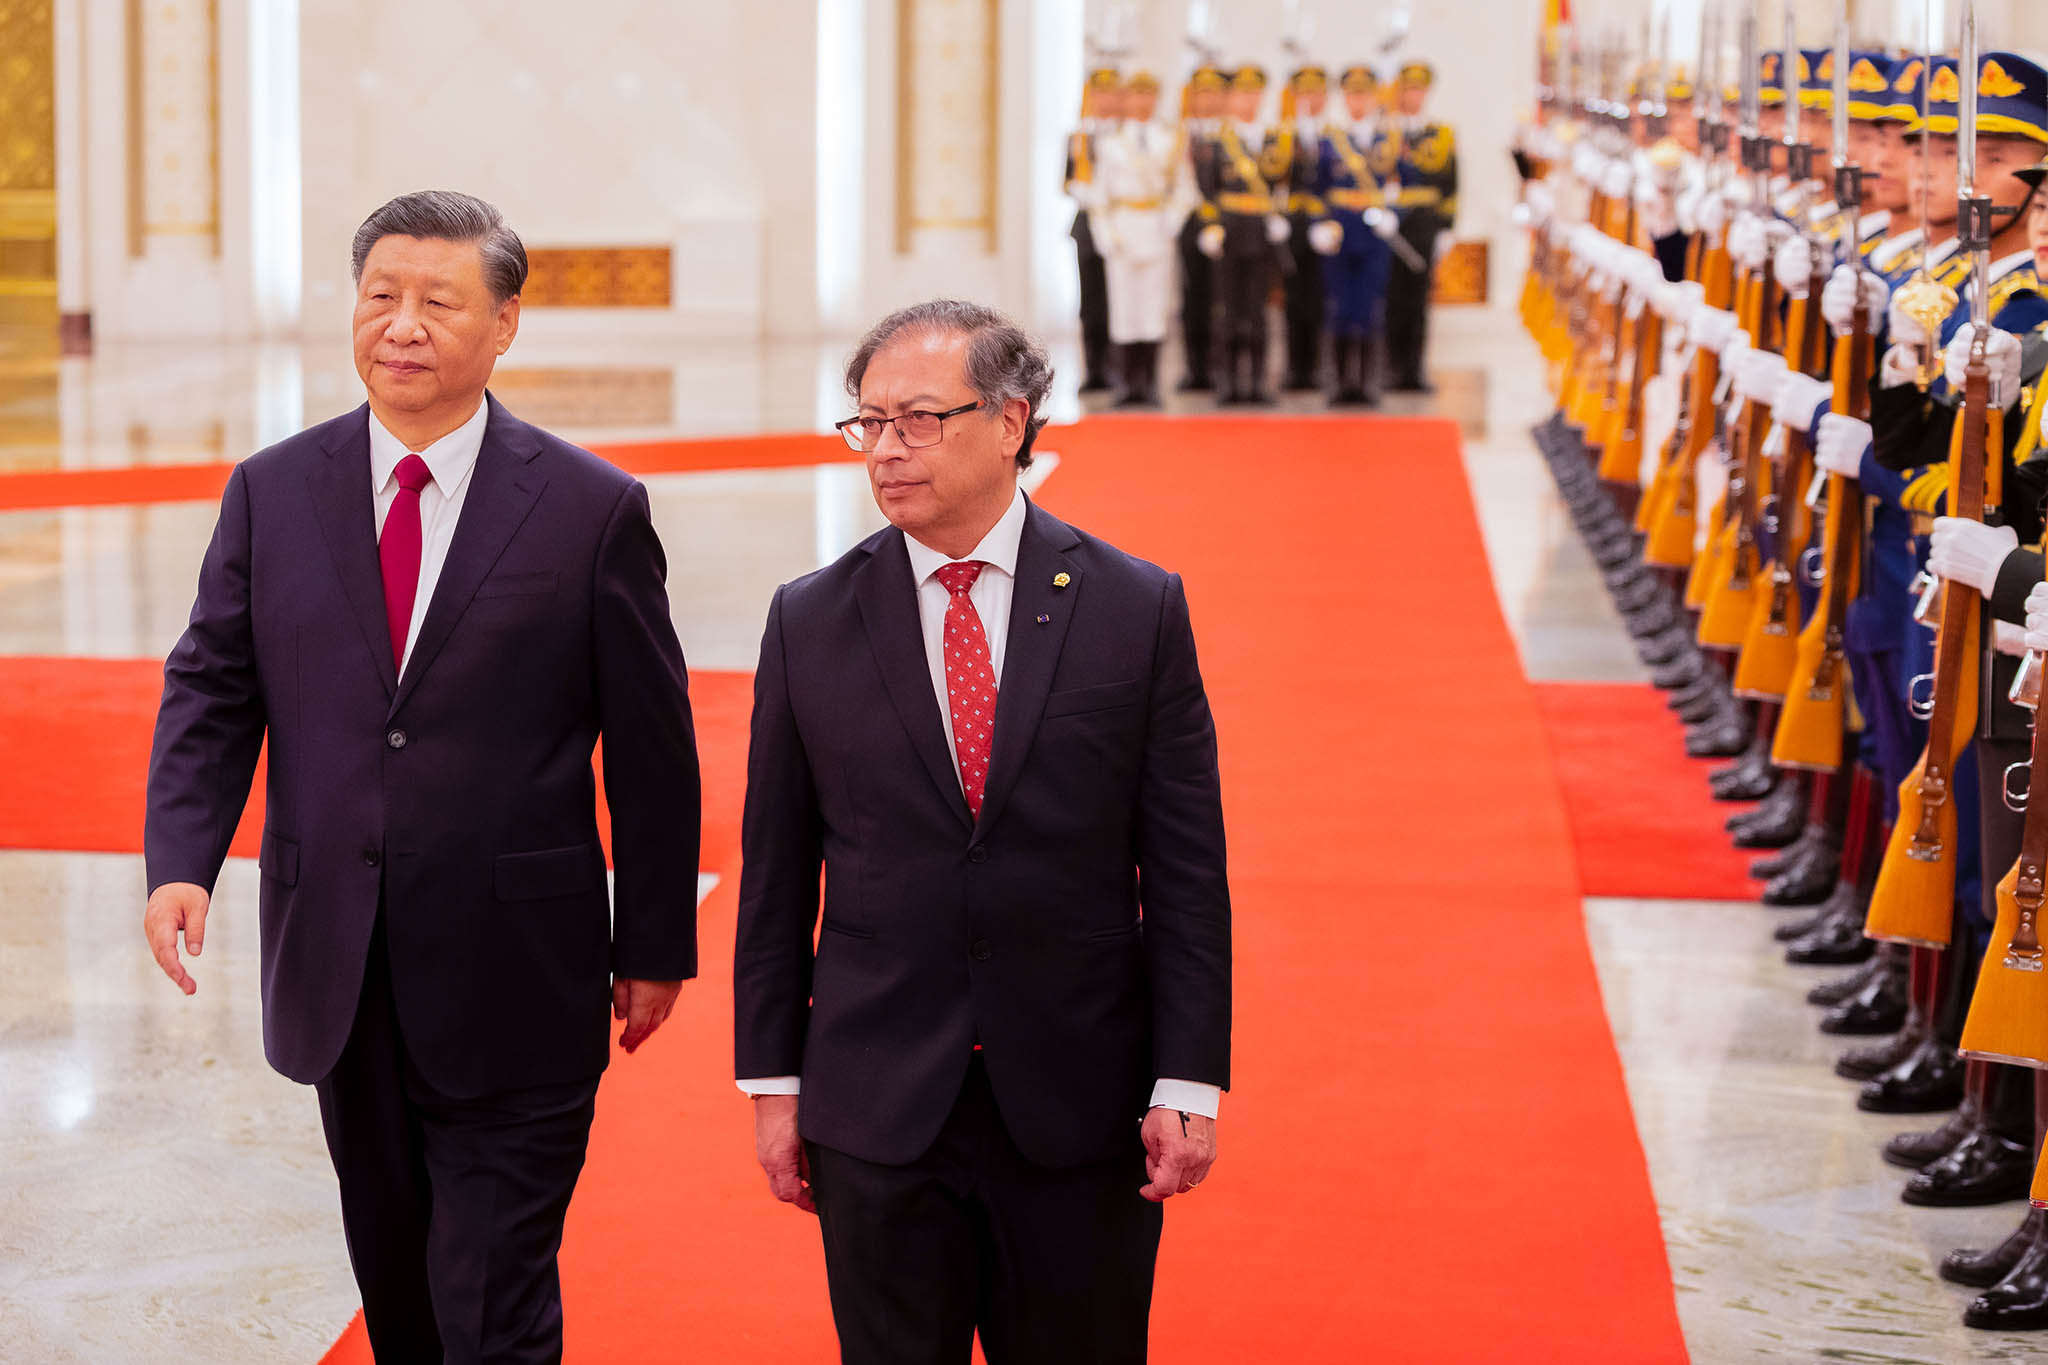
[(2020, 281), (1924, 491), (1953, 271)]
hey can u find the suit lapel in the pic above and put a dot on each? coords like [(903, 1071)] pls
[(887, 595), (345, 507), (502, 490), (1032, 652)]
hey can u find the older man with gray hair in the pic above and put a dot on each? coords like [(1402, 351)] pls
[(433, 611), (1003, 1047)]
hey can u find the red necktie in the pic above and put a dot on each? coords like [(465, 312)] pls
[(970, 681), (398, 554)]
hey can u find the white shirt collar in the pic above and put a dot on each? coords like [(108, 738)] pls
[(449, 459), (998, 549)]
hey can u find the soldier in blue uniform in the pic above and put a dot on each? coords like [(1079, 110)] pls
[(1350, 237), (1309, 92), (1201, 121), (1425, 161), (1246, 185)]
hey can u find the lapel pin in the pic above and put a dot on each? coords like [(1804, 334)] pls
[(1044, 620), (1060, 580)]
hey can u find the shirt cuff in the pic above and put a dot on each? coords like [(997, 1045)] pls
[(1192, 1097), (769, 1085)]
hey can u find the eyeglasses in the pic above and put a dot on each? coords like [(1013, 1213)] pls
[(914, 429)]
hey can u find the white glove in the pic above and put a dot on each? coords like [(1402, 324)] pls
[(2001, 357), (1383, 223), (1757, 379), (1209, 241), (1969, 552), (1901, 365), (1747, 245), (1711, 329), (1905, 331), (1843, 440), (1798, 399), (1326, 237), (1277, 228), (1615, 178), (1793, 266), (2037, 618), (1678, 301), (1713, 213), (2008, 638), (1687, 209), (1838, 300), (1659, 215)]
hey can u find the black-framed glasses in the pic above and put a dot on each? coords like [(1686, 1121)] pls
[(914, 429)]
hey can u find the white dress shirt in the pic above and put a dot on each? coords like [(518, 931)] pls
[(450, 460), (991, 595)]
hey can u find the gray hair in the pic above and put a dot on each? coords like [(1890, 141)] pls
[(445, 215), (1004, 362)]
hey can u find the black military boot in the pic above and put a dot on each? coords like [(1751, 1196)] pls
[(1994, 1161), (2019, 1302), (1849, 984), (1982, 1269), (1775, 822), (1841, 901), (1927, 1080), (1130, 367), (1640, 593), (1683, 669), (1917, 1150), (1837, 941), (1879, 1007), (1654, 619), (1703, 700), (1349, 362), (1152, 374), (1723, 734), (1668, 648), (1769, 866), (1752, 775), (1808, 881), (1255, 391)]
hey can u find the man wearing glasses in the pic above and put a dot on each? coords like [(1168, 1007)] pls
[(989, 730)]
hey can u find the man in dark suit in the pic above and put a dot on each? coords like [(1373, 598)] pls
[(989, 730), (434, 610)]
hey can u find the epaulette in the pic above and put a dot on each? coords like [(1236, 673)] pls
[(1953, 271), (2017, 282), (1925, 490)]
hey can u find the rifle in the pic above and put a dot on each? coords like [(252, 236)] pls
[(1810, 728), (1915, 897)]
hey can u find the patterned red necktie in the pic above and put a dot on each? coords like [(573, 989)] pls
[(970, 681), (398, 554)]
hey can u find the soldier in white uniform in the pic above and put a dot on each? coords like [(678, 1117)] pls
[(1136, 175)]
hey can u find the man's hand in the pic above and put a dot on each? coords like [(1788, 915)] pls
[(174, 906), (1179, 1150), (781, 1152), (644, 1005)]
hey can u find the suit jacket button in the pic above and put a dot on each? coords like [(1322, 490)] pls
[(371, 857), (396, 739), (978, 854), (980, 950)]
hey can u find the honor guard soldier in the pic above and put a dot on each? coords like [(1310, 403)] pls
[(1247, 184), (1425, 158), (1308, 93), (1201, 121), (1101, 105), (1351, 237), (1137, 173)]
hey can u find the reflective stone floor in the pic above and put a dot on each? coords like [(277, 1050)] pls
[(165, 1196)]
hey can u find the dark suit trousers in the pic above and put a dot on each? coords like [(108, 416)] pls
[(453, 1207), (1407, 333), (1051, 1267)]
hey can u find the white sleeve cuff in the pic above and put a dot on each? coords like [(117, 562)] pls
[(769, 1085), (1190, 1096)]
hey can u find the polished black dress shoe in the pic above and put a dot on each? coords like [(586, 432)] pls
[(1722, 735), (1852, 984), (1880, 1007), (1707, 699), (1615, 551), (1640, 593), (1807, 882), (1711, 686), (1195, 381), (1868, 1063), (1836, 942), (1652, 620), (1775, 822), (1918, 1150), (1841, 905), (1749, 778), (1984, 1168), (1671, 646), (2019, 1302), (1763, 869), (1928, 1081), (1982, 1269), (1683, 671)]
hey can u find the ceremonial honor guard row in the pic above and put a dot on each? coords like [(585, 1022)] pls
[(1344, 208), (1796, 334)]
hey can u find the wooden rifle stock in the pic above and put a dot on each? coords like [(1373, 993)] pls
[(1731, 595), (1770, 646)]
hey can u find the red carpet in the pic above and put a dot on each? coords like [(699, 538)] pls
[(1428, 1154), (1642, 819)]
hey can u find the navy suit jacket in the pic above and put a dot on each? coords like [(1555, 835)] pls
[(1079, 930), (459, 796)]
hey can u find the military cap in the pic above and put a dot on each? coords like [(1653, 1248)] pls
[(1907, 98), (1105, 78), (1143, 82), (1358, 79), (1771, 74), (1679, 88), (2012, 97), (1417, 73), (1870, 83), (1248, 77), (1309, 78), (1208, 78), (1817, 79)]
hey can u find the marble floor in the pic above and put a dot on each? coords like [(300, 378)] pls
[(167, 1197)]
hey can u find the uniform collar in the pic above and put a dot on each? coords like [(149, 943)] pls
[(449, 459), (2000, 269), (998, 549)]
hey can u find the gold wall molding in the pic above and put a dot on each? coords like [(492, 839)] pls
[(588, 396), (173, 79), (1461, 276), (948, 93), (28, 162), (598, 277)]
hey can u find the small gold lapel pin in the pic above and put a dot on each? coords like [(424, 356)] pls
[(1044, 620), (1060, 580)]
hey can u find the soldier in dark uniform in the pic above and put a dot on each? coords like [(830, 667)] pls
[(1199, 125), (1247, 185), (1310, 88), (1100, 109), (1425, 161), (1351, 238)]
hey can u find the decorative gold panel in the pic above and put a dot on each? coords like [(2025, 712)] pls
[(598, 277), (947, 88), (588, 396), (28, 163), (1462, 274)]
